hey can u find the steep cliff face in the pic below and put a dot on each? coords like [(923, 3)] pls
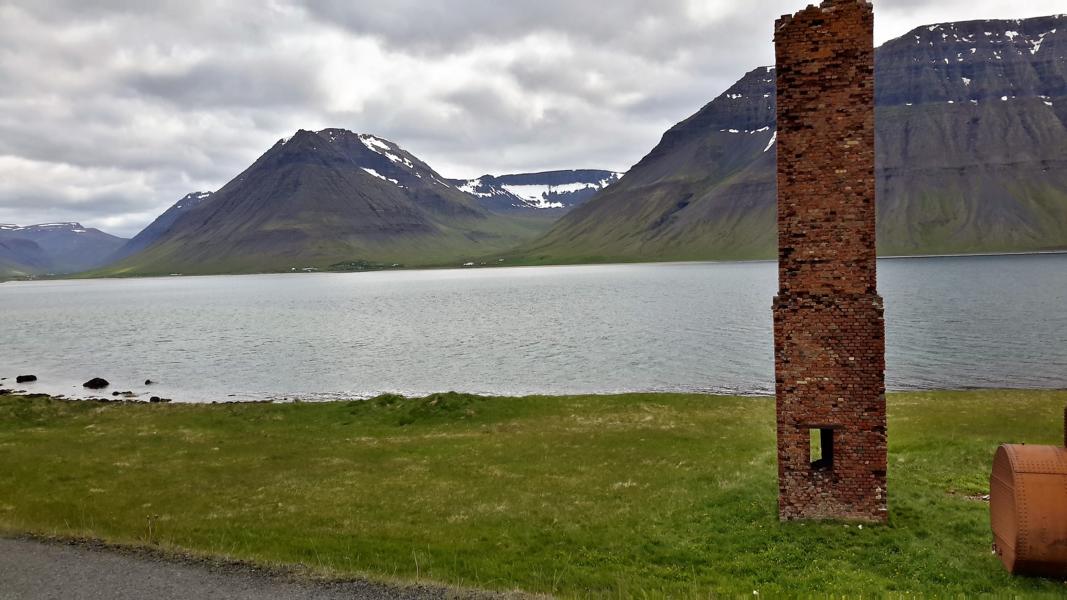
[(707, 189), (972, 142), (971, 152)]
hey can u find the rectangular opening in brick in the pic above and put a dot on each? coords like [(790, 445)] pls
[(822, 449)]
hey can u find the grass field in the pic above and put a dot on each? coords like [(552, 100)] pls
[(611, 496)]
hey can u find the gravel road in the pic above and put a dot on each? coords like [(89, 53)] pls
[(38, 570)]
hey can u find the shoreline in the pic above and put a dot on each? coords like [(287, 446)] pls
[(497, 266), (329, 398)]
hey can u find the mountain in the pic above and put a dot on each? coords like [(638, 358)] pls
[(19, 257), (323, 198), (160, 226), (54, 248), (558, 191), (971, 157)]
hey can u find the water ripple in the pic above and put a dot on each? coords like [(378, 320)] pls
[(706, 327)]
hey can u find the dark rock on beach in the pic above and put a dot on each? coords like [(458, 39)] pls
[(148, 382), (25, 378), (96, 383)]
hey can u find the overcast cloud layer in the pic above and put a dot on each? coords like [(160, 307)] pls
[(111, 110)]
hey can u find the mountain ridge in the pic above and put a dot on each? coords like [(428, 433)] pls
[(971, 148), (316, 199), (158, 227), (559, 190), (59, 248)]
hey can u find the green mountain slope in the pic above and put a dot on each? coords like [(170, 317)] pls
[(971, 146), (19, 257), (321, 198)]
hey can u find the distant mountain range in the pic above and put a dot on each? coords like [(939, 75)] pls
[(338, 199), (971, 148), (54, 248), (971, 157), (540, 196), (558, 191)]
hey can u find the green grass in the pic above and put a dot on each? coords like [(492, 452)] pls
[(613, 496)]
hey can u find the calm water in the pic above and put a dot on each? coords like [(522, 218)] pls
[(951, 323)]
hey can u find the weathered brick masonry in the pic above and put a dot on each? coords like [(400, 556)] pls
[(829, 333)]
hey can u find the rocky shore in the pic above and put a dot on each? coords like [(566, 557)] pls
[(95, 384)]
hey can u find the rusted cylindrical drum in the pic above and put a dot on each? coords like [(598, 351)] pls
[(1028, 509)]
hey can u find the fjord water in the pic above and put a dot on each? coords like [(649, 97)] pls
[(960, 322)]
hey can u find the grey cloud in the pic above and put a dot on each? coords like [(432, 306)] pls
[(15, 206), (111, 110), (260, 82), (38, 193), (433, 25)]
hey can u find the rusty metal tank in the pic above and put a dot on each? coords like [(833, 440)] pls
[(1028, 508)]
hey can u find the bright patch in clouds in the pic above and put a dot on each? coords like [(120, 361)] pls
[(112, 110)]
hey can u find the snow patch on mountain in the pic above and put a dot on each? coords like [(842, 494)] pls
[(550, 190), (774, 140), (536, 196), (373, 143), (192, 199), (1040, 40), (68, 226), (382, 177), (376, 144), (542, 196), (474, 188)]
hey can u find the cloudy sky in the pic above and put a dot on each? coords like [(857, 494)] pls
[(111, 110)]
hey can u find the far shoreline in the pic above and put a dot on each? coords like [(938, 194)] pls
[(499, 266), (124, 398)]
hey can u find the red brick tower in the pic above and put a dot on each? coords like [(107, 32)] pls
[(829, 333)]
